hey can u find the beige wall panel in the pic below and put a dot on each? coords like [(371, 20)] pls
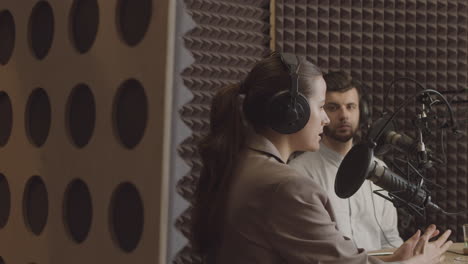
[(104, 162)]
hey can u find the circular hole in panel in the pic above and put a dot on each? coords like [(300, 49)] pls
[(7, 36), (6, 118), (38, 117), (41, 29), (35, 204), (78, 210), (84, 24), (130, 113), (81, 115), (133, 18), (4, 201), (126, 214)]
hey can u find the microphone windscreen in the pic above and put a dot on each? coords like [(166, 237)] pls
[(353, 170)]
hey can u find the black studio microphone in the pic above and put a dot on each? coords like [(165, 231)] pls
[(360, 164), (400, 140)]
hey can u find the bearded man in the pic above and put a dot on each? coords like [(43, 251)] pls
[(368, 219)]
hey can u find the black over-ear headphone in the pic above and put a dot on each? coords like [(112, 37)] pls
[(365, 117), (288, 111)]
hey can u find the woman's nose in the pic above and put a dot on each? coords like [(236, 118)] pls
[(325, 120)]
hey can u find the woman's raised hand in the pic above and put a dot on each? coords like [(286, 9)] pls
[(426, 252)]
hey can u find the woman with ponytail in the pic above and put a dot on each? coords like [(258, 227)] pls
[(250, 206)]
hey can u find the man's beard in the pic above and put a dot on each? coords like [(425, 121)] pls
[(331, 133)]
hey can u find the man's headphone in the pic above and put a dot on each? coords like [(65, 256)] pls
[(365, 116), (288, 111)]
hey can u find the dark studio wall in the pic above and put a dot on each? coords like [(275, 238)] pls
[(224, 39), (378, 41)]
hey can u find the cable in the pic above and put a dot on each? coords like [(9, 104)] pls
[(448, 105), (442, 145), (400, 107), (376, 219), (392, 84), (458, 213)]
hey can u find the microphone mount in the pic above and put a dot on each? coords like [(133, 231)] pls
[(423, 118), (403, 193), (412, 190)]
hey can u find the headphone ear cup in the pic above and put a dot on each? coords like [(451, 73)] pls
[(282, 117), (364, 111)]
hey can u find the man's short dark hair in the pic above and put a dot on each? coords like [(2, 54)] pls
[(339, 81)]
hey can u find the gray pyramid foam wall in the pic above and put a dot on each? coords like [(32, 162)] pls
[(228, 38), (377, 41)]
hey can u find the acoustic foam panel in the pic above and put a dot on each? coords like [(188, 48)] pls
[(228, 38), (378, 41)]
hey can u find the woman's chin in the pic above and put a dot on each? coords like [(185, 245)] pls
[(313, 147)]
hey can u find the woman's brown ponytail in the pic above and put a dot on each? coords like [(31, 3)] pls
[(219, 153)]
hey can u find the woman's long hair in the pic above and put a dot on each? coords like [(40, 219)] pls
[(220, 149)]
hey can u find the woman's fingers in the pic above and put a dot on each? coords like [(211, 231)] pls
[(435, 233), (432, 252), (441, 240), (416, 235), (413, 240), (419, 248), (430, 230), (424, 239), (446, 246)]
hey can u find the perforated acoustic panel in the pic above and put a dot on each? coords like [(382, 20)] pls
[(82, 101), (228, 38), (377, 41)]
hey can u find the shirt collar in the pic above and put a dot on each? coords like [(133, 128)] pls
[(332, 155), (261, 144)]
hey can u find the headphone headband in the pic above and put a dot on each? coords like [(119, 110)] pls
[(292, 64), (288, 111)]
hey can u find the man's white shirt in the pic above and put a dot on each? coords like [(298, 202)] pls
[(359, 216)]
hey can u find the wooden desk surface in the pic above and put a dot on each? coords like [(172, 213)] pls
[(456, 250)]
